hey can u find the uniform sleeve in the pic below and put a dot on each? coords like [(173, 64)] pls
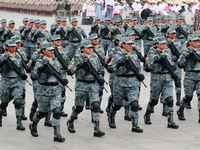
[(83, 34), (182, 60), (73, 65), (112, 66), (34, 73), (150, 59)]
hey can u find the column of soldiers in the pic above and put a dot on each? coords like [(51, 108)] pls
[(51, 56)]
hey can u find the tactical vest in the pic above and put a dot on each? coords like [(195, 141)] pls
[(60, 6), (67, 6)]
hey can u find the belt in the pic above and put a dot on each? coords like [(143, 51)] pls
[(138, 39), (116, 14), (86, 81), (74, 41), (197, 71), (109, 6), (49, 84), (161, 73), (126, 75), (181, 38)]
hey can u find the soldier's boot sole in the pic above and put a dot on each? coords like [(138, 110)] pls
[(24, 117), (101, 111), (98, 133), (33, 132), (63, 114), (137, 129), (59, 139), (173, 126), (147, 120)]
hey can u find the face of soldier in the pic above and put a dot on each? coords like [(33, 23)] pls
[(25, 23), (150, 23), (194, 44), (58, 22), (48, 53), (31, 24), (97, 21), (64, 23), (167, 21), (161, 46), (74, 23), (95, 42), (172, 36), (180, 21), (118, 24), (18, 45), (158, 21), (56, 43), (128, 21), (43, 26), (4, 24), (107, 22), (12, 26), (87, 51), (127, 47), (134, 22), (37, 25), (11, 49), (133, 37)]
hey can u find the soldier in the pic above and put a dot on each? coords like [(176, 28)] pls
[(48, 92), (158, 23), (118, 25), (176, 49), (25, 24), (37, 24), (2, 30), (95, 27), (74, 34), (126, 84), (56, 41), (104, 33), (56, 25), (22, 52), (36, 28), (12, 82), (167, 25), (86, 85), (191, 66), (68, 10), (60, 7), (147, 34), (161, 80), (127, 24)]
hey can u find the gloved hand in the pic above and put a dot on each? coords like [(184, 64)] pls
[(80, 65), (65, 82), (24, 77), (41, 69), (158, 60), (188, 56), (69, 72), (141, 77)]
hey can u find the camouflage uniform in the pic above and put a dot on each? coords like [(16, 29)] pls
[(60, 8), (180, 35), (125, 86), (2, 29), (161, 82)]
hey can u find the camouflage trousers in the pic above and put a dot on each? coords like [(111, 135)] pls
[(147, 45), (191, 83), (83, 91), (73, 49), (11, 88)]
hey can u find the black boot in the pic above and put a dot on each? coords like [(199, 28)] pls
[(135, 127), (32, 114), (48, 123), (57, 136), (180, 114), (164, 113), (5, 113), (101, 111), (147, 119), (189, 106), (23, 116), (139, 107), (70, 125), (33, 128), (19, 124), (63, 114), (111, 120), (97, 131), (171, 123), (87, 104), (0, 119), (178, 98), (127, 116)]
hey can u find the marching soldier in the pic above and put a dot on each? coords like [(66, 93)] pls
[(60, 8), (68, 10), (25, 24), (161, 80), (191, 66), (87, 86), (127, 24), (158, 23), (167, 25), (48, 91), (95, 27), (2, 30), (56, 25), (118, 25)]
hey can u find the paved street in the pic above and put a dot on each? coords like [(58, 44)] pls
[(155, 137)]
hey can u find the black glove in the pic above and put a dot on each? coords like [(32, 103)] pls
[(69, 72), (57, 31), (141, 77), (80, 65), (121, 62), (188, 56), (41, 69), (65, 82), (158, 60), (24, 77)]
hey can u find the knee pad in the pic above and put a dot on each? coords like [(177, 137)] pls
[(4, 105), (18, 103), (187, 99), (116, 107), (24, 94), (153, 102), (57, 113), (169, 101), (63, 92), (100, 91), (134, 106), (78, 109), (41, 115), (96, 107)]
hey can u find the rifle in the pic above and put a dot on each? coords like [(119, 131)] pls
[(105, 31), (136, 32), (164, 30), (142, 59), (11, 65), (181, 31), (167, 65), (95, 29), (157, 27), (62, 33), (2, 30), (195, 56), (115, 32), (60, 59), (55, 73), (125, 27), (149, 32), (53, 29), (174, 50), (90, 69), (10, 34), (22, 29), (130, 66), (75, 33)]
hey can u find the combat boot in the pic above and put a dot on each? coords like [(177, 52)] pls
[(87, 104), (135, 127), (111, 120), (5, 113), (164, 113), (0, 119), (70, 125), (127, 116), (172, 125), (48, 123), (189, 106), (57, 136), (63, 114), (32, 114), (180, 114), (101, 111), (33, 128), (97, 131), (147, 119), (178, 98), (23, 116), (19, 124)]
